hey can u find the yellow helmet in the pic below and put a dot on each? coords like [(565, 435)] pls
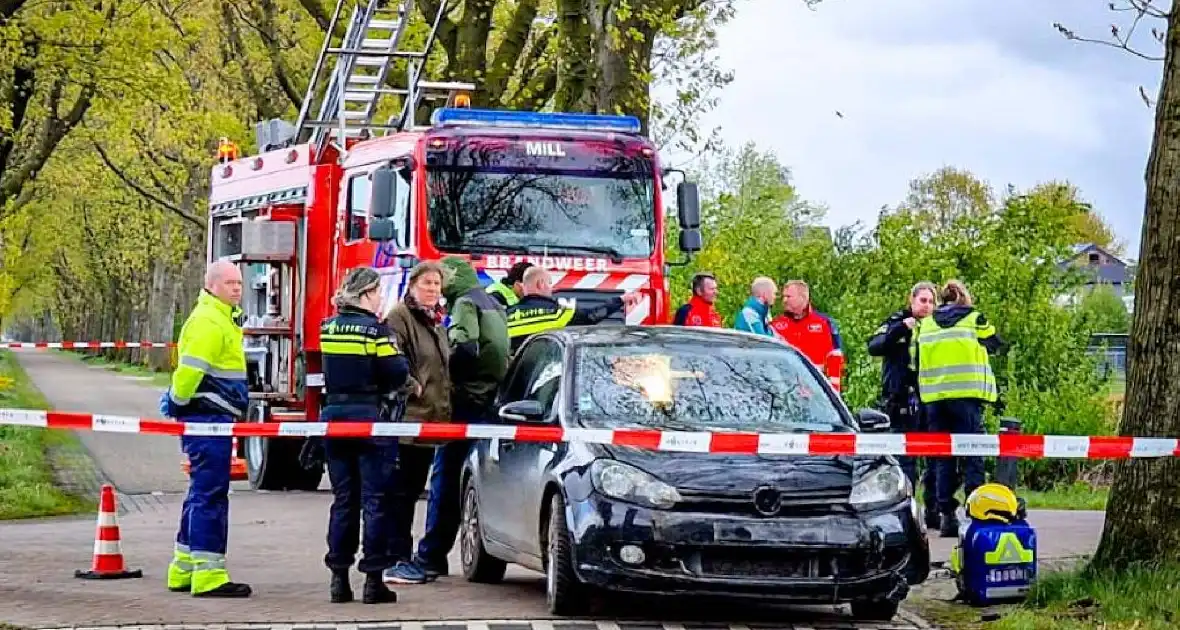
[(993, 502)]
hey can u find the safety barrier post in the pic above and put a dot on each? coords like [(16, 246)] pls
[(1006, 470)]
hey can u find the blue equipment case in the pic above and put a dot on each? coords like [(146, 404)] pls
[(994, 561)]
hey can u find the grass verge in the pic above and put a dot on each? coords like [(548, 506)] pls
[(1140, 598), (1074, 496), (27, 485), (160, 379)]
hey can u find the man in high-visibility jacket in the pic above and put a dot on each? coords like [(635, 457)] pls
[(955, 379), (538, 312), (208, 386), (508, 290)]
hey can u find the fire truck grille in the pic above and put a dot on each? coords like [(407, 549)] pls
[(590, 298)]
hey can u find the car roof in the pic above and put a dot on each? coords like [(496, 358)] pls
[(604, 334)]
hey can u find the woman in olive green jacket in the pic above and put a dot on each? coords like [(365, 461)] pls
[(417, 323)]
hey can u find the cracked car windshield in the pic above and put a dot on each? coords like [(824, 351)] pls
[(591, 198), (688, 388)]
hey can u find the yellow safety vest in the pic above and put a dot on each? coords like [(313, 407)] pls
[(952, 364), (505, 292)]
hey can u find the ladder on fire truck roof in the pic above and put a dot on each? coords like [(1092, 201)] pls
[(371, 44)]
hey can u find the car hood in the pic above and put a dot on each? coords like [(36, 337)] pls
[(741, 474)]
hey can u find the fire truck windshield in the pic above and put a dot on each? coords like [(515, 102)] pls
[(522, 196)]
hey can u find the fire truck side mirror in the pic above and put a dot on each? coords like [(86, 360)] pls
[(688, 205), (381, 195), (382, 230), (690, 240)]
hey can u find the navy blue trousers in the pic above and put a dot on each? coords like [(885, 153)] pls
[(361, 472), (442, 509), (911, 419), (964, 415), (204, 517)]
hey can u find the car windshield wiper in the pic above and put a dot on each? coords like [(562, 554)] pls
[(614, 254)]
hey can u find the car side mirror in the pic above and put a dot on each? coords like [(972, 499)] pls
[(523, 411), (873, 421)]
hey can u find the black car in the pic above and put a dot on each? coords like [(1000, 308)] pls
[(789, 528)]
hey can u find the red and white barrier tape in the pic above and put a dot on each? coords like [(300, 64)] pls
[(69, 345), (917, 444)]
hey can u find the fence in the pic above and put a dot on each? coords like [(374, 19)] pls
[(1110, 350)]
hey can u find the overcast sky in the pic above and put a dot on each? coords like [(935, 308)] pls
[(985, 85)]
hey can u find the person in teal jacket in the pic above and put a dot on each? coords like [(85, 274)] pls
[(754, 316)]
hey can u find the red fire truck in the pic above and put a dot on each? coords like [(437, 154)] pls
[(581, 195)]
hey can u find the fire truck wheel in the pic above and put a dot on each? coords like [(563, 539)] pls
[(274, 465)]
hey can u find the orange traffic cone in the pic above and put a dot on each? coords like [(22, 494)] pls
[(108, 546), (237, 465)]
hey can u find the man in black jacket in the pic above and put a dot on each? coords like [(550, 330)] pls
[(899, 384)]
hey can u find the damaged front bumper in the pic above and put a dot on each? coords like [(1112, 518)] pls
[(819, 559)]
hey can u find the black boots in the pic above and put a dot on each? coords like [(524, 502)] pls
[(376, 592), (229, 589), (341, 589), (950, 526), (932, 517)]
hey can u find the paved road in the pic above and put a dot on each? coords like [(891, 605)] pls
[(277, 544), (146, 464)]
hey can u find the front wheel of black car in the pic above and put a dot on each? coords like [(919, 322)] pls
[(563, 592), (478, 565), (875, 610)]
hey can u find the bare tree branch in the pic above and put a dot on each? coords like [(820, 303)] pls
[(143, 192), (1119, 39), (515, 38), (317, 12)]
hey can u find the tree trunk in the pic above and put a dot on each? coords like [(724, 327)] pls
[(1142, 523)]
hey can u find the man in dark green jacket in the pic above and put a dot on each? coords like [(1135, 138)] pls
[(479, 358)]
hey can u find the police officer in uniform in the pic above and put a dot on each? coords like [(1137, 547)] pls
[(538, 312), (899, 385), (955, 379), (508, 290), (362, 368)]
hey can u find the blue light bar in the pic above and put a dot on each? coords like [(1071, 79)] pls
[(462, 117)]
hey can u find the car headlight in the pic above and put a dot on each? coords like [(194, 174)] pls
[(628, 483), (884, 484)]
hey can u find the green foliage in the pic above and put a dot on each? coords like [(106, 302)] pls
[(952, 225), (1102, 311), (27, 488)]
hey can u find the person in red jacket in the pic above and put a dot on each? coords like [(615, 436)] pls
[(814, 333), (699, 311)]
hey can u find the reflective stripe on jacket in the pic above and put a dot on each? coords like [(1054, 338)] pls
[(952, 361), (210, 376), (538, 313), (360, 360)]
